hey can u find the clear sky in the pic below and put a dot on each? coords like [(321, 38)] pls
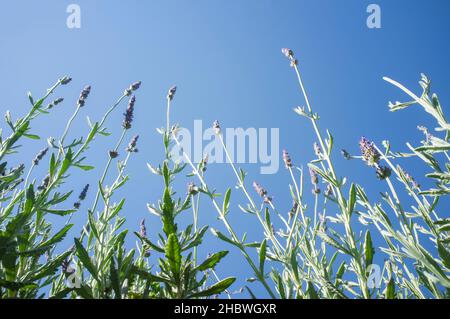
[(225, 58)]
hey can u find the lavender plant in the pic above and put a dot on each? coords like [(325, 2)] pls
[(180, 274), (311, 251), (28, 260), (319, 255)]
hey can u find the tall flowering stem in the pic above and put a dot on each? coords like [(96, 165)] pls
[(242, 186), (343, 204), (222, 216)]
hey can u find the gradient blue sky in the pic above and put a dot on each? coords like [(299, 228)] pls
[(225, 58)]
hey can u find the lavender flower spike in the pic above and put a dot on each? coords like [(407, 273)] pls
[(83, 96), (216, 127), (171, 92), (142, 229), (128, 120), (287, 159), (132, 145), (39, 156), (369, 152), (132, 87), (262, 192)]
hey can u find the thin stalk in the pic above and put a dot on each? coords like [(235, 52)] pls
[(218, 280), (342, 203), (413, 194), (68, 125), (297, 211), (168, 116), (7, 144), (222, 216), (195, 208), (28, 176), (316, 199), (252, 203), (105, 171), (102, 122)]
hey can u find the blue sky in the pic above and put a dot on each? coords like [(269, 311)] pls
[(225, 58)]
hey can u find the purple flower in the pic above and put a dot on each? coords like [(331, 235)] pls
[(55, 102), (290, 55), (317, 149), (39, 156), (132, 145), (383, 172), (216, 127), (66, 269), (83, 192), (132, 87), (65, 80), (293, 209), (346, 154), (129, 114), (369, 153), (142, 229), (113, 154), (314, 181), (44, 183), (81, 197), (262, 192), (171, 92), (287, 159), (192, 189), (83, 96), (287, 52)]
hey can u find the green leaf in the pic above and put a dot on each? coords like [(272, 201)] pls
[(262, 255), (114, 277), (211, 261), (252, 295), (351, 199), (173, 255), (311, 291), (226, 202), (61, 294), (92, 225), (390, 289), (59, 212), (116, 209), (67, 161), (169, 225), (149, 243), (46, 245), (444, 254), (223, 237), (215, 289), (341, 271), (197, 239), (92, 133), (166, 174), (85, 259), (85, 167), (32, 136), (49, 268), (368, 249), (279, 282), (14, 285), (52, 165)]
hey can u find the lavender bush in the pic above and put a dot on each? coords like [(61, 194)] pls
[(316, 254)]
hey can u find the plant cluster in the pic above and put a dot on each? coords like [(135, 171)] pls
[(312, 251)]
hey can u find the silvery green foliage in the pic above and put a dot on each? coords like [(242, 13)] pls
[(312, 251), (179, 274), (317, 253), (28, 262)]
